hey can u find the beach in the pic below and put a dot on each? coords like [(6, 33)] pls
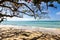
[(29, 19), (11, 32)]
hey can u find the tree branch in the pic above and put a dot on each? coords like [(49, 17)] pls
[(20, 4)]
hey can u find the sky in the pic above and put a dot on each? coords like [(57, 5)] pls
[(53, 13)]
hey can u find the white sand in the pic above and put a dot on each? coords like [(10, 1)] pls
[(48, 30)]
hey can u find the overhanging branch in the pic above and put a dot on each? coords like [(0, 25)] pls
[(19, 4)]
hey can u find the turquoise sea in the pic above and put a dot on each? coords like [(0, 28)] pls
[(48, 24)]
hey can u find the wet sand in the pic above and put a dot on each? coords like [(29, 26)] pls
[(9, 32)]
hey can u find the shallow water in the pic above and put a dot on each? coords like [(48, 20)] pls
[(48, 24)]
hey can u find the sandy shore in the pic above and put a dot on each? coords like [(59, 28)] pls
[(9, 32), (52, 30)]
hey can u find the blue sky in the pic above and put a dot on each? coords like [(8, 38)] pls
[(53, 13)]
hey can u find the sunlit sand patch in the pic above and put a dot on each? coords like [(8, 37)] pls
[(19, 33)]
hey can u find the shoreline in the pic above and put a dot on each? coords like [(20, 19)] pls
[(11, 32), (33, 28)]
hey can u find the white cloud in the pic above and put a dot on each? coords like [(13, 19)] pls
[(19, 19), (58, 13)]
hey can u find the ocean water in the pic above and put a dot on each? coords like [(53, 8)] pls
[(47, 24)]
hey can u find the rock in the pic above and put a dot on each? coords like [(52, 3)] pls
[(11, 35), (53, 39), (27, 34), (0, 38), (56, 37), (17, 34)]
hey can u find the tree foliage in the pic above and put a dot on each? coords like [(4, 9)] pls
[(13, 6)]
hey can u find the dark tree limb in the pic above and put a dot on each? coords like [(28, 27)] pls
[(20, 4), (14, 11)]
